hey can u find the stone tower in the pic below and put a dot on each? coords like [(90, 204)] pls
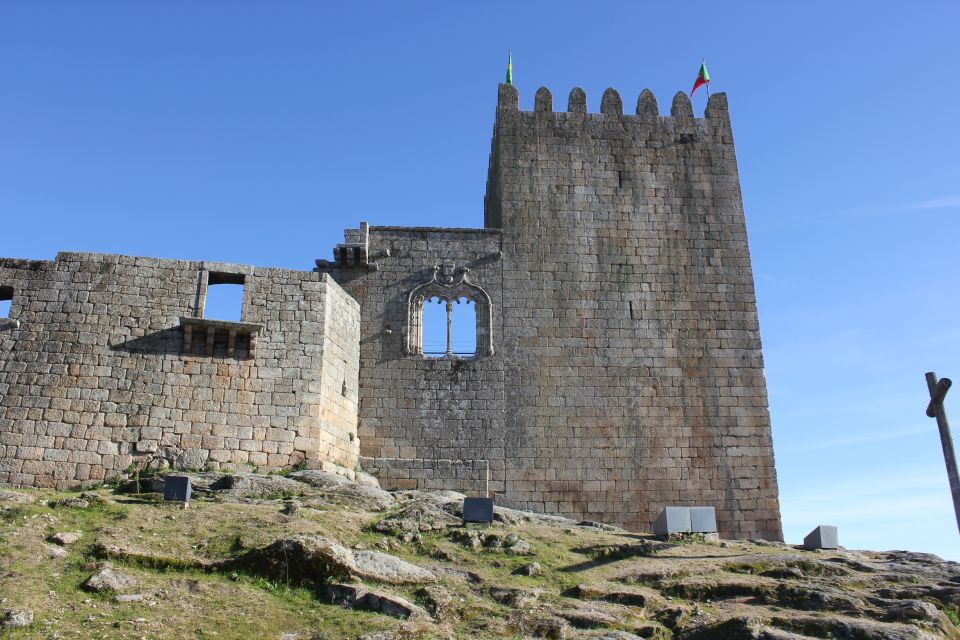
[(616, 369), (618, 366)]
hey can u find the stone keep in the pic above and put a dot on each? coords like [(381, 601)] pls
[(617, 371)]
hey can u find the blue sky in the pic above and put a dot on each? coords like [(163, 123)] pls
[(254, 132)]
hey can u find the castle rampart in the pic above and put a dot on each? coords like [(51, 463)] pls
[(626, 371), (106, 361), (617, 367)]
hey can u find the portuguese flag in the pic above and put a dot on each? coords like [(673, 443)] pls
[(509, 68), (703, 78)]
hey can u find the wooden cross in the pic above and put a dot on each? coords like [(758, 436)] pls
[(938, 391)]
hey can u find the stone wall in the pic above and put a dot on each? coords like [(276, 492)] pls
[(422, 418), (627, 373), (95, 373)]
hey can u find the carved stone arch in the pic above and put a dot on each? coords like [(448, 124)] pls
[(449, 284)]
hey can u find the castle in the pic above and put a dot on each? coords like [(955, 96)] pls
[(617, 369)]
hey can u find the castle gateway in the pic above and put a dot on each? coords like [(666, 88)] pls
[(614, 361)]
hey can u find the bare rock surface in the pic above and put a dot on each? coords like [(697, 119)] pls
[(14, 497), (110, 579), (65, 538), (313, 559), (358, 596), (419, 515), (321, 479), (250, 485), (17, 618)]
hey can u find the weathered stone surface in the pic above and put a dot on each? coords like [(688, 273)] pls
[(110, 579), (54, 552), (313, 559), (419, 515), (386, 568), (439, 601), (14, 497), (250, 485), (907, 610), (589, 618), (363, 598), (513, 596), (64, 538), (318, 478), (138, 390), (75, 503), (618, 596), (17, 618), (530, 569)]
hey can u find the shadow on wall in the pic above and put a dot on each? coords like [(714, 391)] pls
[(170, 342)]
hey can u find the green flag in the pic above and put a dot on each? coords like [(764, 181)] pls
[(509, 68)]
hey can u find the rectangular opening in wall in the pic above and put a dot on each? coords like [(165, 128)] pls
[(464, 328), (224, 296), (6, 297), (434, 328)]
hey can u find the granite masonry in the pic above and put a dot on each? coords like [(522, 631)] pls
[(617, 366)]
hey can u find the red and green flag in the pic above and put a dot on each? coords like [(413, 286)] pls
[(703, 78), (509, 68)]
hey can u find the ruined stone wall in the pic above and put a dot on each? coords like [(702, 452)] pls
[(95, 373), (627, 373), (426, 422)]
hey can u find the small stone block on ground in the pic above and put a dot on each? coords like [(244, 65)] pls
[(823, 537), (672, 520), (703, 520), (177, 488), (478, 509)]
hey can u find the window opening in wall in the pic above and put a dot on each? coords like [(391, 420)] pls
[(224, 299), (449, 328), (6, 297), (463, 328), (434, 328)]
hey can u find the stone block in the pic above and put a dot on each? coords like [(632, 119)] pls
[(672, 520), (823, 537), (703, 520)]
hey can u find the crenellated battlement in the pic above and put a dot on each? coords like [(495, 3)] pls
[(611, 105)]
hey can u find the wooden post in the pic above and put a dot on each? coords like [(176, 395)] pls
[(938, 391)]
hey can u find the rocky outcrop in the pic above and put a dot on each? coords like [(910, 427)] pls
[(314, 559)]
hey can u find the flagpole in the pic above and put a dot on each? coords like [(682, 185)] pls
[(704, 63)]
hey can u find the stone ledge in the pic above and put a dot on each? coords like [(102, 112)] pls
[(209, 328)]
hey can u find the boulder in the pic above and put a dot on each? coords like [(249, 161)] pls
[(589, 618), (320, 479), (907, 610), (14, 497), (64, 538), (358, 596), (75, 503), (314, 559), (439, 601), (17, 618), (419, 515), (367, 479), (110, 579), (530, 569), (514, 597), (251, 485), (54, 552), (386, 568)]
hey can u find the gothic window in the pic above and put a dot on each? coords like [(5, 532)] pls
[(449, 317)]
